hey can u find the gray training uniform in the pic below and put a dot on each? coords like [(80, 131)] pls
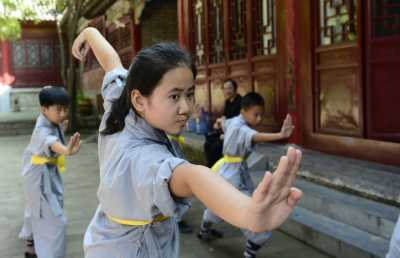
[(135, 167), (238, 143), (44, 219)]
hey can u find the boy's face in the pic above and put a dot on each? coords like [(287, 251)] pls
[(253, 115), (172, 101), (56, 114)]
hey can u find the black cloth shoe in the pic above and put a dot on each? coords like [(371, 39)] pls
[(30, 255), (184, 227), (210, 234)]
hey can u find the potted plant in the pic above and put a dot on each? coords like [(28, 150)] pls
[(85, 106)]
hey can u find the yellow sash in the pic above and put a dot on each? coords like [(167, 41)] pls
[(179, 139), (225, 159), (136, 222), (40, 160)]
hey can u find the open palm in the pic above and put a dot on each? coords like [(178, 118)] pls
[(74, 144), (287, 127), (274, 198)]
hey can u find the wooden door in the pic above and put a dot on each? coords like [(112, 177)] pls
[(337, 87), (383, 69)]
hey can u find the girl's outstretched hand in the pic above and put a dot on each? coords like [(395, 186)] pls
[(274, 198), (74, 144), (80, 47)]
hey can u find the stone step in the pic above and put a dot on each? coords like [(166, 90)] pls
[(361, 213), (10, 128), (333, 237)]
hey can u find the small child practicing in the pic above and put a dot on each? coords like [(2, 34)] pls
[(239, 138), (42, 162), (144, 185)]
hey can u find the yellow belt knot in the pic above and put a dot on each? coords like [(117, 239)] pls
[(59, 161), (225, 159), (178, 139), (157, 218)]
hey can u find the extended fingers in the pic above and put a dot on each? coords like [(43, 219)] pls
[(263, 187), (294, 196), (285, 173)]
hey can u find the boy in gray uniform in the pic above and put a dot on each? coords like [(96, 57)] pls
[(42, 162), (144, 184), (239, 138)]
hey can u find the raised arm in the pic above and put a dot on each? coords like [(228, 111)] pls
[(91, 38), (270, 205), (286, 132)]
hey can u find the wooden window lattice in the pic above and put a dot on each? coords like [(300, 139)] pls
[(36, 54), (216, 28), (337, 21), (265, 27), (198, 10), (385, 18), (237, 19)]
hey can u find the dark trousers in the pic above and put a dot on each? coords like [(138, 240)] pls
[(213, 148)]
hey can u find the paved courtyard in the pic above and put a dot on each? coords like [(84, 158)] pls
[(81, 179)]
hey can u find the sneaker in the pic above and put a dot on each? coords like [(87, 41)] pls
[(184, 227)]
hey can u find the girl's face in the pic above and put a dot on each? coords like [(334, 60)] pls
[(170, 105)]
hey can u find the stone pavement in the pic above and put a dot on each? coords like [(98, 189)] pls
[(81, 179)]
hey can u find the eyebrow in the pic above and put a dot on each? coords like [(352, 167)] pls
[(180, 90)]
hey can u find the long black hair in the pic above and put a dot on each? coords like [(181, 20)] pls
[(146, 71)]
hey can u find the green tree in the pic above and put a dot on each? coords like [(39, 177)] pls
[(71, 16)]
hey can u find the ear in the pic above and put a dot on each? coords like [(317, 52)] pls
[(138, 101), (43, 109)]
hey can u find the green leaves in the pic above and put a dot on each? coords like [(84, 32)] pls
[(13, 12)]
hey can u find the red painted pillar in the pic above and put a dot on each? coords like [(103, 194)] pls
[(181, 24), (293, 89), (6, 77)]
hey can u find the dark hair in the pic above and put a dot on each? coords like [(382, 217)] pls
[(50, 96), (233, 82), (252, 99), (146, 71)]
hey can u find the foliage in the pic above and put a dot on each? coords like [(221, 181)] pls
[(12, 12)]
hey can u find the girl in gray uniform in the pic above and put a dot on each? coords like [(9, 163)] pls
[(394, 248), (143, 183), (239, 138), (42, 162)]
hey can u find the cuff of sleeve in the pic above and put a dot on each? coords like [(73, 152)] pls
[(113, 74), (50, 140), (249, 140), (162, 195)]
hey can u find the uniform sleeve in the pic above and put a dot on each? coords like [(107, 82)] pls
[(113, 84), (245, 135), (151, 182), (44, 138)]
